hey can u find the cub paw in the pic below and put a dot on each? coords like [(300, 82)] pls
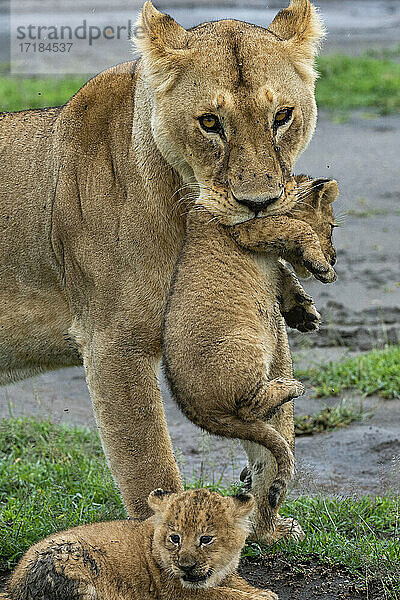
[(289, 388), (321, 270), (265, 594), (268, 595), (246, 478), (303, 316)]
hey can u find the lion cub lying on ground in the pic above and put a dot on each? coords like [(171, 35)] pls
[(222, 328), (189, 548)]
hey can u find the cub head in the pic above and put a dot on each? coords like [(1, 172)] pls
[(198, 534), (232, 104), (313, 200)]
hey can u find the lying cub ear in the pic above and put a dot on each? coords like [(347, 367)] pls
[(301, 28), (163, 43), (327, 190), (243, 504), (158, 499)]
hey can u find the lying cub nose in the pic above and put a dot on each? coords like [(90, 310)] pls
[(187, 567)]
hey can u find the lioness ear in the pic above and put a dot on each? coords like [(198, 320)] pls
[(327, 190), (300, 26), (162, 43), (243, 505), (158, 499)]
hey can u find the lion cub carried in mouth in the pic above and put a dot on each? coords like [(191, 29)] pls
[(192, 542), (223, 327)]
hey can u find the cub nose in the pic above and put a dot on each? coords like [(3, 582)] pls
[(187, 567)]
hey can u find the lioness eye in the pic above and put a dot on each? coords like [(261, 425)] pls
[(283, 116), (210, 123), (206, 539), (175, 538)]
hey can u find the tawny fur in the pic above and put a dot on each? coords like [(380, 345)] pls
[(127, 560), (223, 330), (93, 197)]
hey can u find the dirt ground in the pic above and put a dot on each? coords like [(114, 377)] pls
[(311, 580)]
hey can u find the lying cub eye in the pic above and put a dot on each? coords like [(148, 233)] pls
[(206, 539), (283, 116), (175, 538), (210, 123)]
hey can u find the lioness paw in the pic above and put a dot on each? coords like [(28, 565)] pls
[(289, 529)]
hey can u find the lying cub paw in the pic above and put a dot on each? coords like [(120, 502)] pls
[(265, 594), (303, 316)]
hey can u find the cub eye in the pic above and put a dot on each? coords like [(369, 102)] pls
[(206, 539), (283, 116), (175, 538), (210, 123)]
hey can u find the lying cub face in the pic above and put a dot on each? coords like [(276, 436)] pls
[(198, 534)]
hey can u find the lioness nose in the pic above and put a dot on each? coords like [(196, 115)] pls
[(257, 205)]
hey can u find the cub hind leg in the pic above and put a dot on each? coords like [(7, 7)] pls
[(263, 405), (57, 569)]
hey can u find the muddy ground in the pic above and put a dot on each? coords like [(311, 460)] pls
[(311, 580), (360, 311)]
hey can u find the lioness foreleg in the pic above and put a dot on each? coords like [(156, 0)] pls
[(128, 407), (289, 238)]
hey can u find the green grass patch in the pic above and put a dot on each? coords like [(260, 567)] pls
[(346, 83), (54, 477), (19, 93), (361, 533), (329, 418), (375, 372), (51, 478)]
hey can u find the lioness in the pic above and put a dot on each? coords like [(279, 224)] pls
[(192, 542), (93, 197), (218, 353)]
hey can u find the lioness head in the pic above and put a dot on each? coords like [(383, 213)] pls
[(232, 104), (198, 534)]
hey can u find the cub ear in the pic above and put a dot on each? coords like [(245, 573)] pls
[(158, 500), (243, 505), (162, 42), (327, 190), (300, 26)]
